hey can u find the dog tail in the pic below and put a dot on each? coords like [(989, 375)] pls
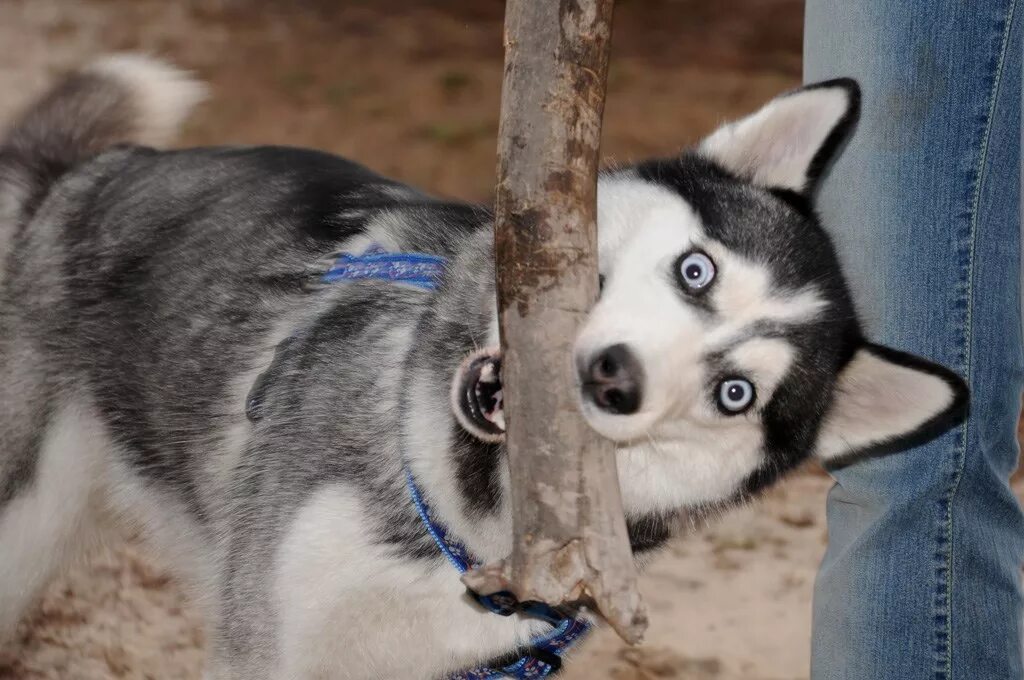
[(119, 99)]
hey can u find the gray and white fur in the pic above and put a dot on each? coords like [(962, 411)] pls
[(149, 296)]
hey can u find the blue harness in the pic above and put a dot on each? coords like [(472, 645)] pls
[(543, 654), (416, 269)]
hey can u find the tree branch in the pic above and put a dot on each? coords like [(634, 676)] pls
[(571, 542)]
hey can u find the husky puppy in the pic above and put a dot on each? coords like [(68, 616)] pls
[(175, 358)]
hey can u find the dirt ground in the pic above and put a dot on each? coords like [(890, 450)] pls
[(413, 90)]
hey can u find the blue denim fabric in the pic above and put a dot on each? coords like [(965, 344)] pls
[(922, 576)]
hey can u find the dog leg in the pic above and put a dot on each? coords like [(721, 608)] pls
[(51, 519)]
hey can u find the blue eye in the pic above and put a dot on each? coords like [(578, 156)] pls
[(735, 395), (696, 270)]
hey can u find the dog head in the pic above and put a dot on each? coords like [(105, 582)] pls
[(724, 349)]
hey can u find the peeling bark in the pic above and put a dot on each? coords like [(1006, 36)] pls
[(571, 543)]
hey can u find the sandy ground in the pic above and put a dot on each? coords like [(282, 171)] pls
[(413, 92)]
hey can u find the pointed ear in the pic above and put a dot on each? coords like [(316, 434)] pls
[(887, 401), (791, 140)]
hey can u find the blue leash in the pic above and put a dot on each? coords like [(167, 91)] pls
[(543, 654)]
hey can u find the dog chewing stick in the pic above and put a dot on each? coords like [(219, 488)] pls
[(571, 543)]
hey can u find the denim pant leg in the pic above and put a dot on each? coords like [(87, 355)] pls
[(922, 576)]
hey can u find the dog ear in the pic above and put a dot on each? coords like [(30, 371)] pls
[(886, 401), (788, 143)]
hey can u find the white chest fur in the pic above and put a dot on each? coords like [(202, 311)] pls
[(351, 610)]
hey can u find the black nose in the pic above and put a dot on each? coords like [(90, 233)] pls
[(614, 380)]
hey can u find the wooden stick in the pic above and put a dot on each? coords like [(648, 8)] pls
[(571, 543)]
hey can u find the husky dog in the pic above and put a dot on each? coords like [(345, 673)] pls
[(175, 358)]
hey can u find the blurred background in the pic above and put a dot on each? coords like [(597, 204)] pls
[(412, 90)]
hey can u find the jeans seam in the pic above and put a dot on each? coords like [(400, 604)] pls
[(979, 171)]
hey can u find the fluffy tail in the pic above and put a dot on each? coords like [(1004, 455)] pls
[(123, 98)]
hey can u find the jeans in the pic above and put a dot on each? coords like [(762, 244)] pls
[(922, 575)]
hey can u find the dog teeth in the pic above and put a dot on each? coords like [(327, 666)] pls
[(489, 373), (499, 413)]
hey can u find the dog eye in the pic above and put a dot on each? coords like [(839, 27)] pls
[(735, 395), (696, 270)]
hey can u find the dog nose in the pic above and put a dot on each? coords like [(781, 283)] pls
[(614, 380)]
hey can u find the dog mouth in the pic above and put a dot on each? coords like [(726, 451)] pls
[(477, 395), (477, 400)]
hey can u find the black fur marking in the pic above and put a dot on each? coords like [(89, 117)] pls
[(650, 532), (477, 466), (771, 228), (792, 418), (754, 223), (797, 201)]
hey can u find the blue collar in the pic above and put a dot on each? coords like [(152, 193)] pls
[(542, 655)]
